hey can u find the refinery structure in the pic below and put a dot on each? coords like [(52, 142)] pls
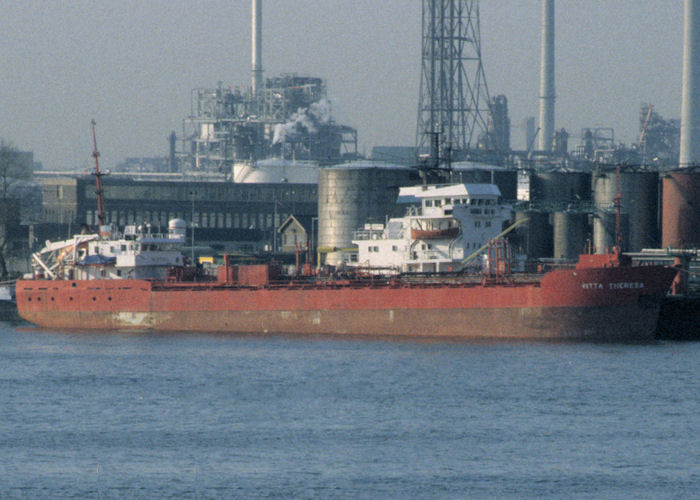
[(287, 117)]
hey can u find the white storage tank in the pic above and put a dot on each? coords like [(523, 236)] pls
[(275, 171)]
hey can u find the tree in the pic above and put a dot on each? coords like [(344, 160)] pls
[(13, 167), (12, 170)]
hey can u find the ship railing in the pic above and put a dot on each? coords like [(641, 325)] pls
[(368, 234), (544, 265)]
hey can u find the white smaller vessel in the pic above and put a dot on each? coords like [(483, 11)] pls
[(136, 253)]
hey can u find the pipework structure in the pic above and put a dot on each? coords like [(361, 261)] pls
[(454, 102)]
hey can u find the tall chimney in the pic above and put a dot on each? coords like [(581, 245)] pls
[(257, 45), (547, 77), (690, 107)]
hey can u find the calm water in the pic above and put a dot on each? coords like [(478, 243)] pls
[(202, 416)]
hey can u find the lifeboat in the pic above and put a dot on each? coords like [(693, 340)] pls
[(434, 234)]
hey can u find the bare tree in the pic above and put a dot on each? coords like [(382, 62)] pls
[(11, 169)]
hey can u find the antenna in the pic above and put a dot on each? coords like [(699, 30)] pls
[(98, 178)]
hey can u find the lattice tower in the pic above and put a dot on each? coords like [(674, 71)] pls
[(454, 99)]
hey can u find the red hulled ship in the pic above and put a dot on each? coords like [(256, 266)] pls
[(408, 278), (600, 299)]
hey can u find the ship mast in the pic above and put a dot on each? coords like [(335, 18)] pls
[(98, 178), (618, 209)]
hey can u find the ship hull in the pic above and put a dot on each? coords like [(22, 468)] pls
[(590, 305), (603, 324)]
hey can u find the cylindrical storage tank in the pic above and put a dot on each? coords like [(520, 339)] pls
[(351, 194), (276, 170), (638, 198), (681, 209), (533, 238), (476, 173), (570, 234), (605, 230), (560, 186)]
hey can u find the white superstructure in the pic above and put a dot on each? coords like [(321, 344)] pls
[(137, 253), (443, 225)]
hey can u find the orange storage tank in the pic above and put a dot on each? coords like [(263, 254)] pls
[(681, 209)]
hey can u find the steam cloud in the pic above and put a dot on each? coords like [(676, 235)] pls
[(305, 119)]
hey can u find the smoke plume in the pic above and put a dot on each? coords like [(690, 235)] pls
[(304, 120)]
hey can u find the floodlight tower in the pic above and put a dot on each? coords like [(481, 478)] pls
[(453, 106)]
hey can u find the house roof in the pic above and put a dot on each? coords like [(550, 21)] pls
[(303, 220)]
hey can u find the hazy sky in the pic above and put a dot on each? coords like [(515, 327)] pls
[(132, 64)]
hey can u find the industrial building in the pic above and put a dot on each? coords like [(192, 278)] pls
[(222, 213)]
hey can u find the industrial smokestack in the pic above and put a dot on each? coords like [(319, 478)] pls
[(257, 46), (547, 77), (690, 107)]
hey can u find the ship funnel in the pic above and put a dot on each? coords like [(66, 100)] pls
[(547, 77), (257, 45), (690, 112)]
